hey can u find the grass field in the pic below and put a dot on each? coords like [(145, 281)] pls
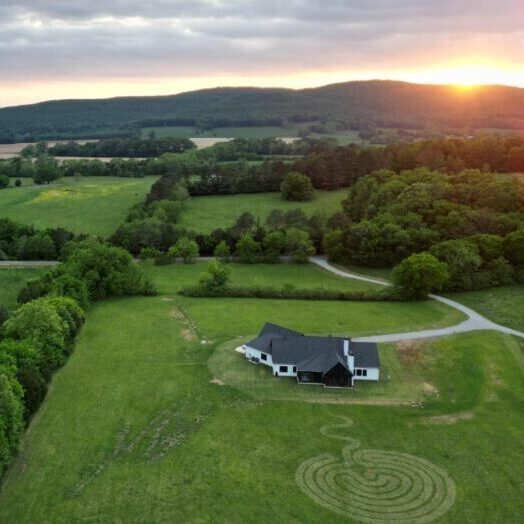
[(12, 281), (206, 213), (136, 428), (504, 305), (95, 205)]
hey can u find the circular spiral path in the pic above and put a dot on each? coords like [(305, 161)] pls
[(376, 486)]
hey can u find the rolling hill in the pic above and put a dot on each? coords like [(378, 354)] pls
[(354, 104)]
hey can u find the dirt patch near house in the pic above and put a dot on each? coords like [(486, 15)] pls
[(429, 389), (449, 419), (188, 331), (411, 352)]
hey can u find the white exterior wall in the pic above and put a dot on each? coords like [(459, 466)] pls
[(372, 374), (290, 372), (256, 353)]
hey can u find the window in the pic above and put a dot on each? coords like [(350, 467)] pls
[(359, 372), (283, 369), (263, 356), (364, 372), (294, 369)]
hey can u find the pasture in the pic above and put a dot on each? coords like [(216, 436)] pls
[(95, 205), (504, 305), (146, 423), (205, 213)]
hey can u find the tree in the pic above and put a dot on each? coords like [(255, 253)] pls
[(274, 243), (418, 275), (296, 186), (37, 247), (247, 250), (185, 248), (28, 372), (463, 261), (46, 170), (514, 248), (217, 276), (298, 245), (222, 251), (39, 325), (11, 413)]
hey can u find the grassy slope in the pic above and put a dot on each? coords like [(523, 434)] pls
[(210, 212), (233, 455), (504, 305), (12, 280), (94, 205)]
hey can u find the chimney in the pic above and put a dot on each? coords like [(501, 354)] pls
[(349, 355)]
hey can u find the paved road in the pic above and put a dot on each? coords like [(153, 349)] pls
[(27, 263), (474, 321)]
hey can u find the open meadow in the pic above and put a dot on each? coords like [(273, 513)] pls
[(95, 205), (155, 418), (205, 213)]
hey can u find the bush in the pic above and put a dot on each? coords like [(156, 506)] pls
[(185, 248), (18, 182), (247, 250), (4, 181), (222, 251), (289, 292), (217, 276), (416, 276)]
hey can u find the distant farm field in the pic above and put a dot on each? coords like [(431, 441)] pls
[(206, 213), (343, 137), (93, 205), (156, 419)]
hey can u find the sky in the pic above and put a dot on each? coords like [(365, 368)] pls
[(54, 49)]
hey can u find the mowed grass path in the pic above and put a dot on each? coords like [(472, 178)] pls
[(203, 214), (12, 280), (95, 205)]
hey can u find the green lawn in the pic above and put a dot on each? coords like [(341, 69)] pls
[(504, 305), (169, 279), (133, 430), (137, 427), (93, 205), (206, 213), (12, 281)]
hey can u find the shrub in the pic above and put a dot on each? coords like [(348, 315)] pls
[(185, 248), (4, 181), (72, 287), (217, 276), (222, 251), (18, 182)]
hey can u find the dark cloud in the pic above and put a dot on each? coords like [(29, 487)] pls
[(57, 39)]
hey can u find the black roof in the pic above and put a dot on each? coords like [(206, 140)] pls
[(312, 353)]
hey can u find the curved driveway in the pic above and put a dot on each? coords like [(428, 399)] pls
[(474, 322)]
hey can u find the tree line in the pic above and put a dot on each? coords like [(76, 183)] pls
[(39, 336)]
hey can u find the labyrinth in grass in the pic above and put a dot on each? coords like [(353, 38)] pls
[(138, 427), (390, 487)]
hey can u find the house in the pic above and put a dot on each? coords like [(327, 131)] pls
[(331, 361)]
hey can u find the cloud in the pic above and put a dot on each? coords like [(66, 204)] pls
[(92, 39)]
